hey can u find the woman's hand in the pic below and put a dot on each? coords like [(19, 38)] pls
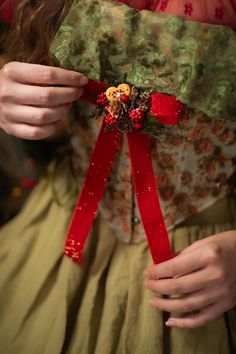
[(204, 278), (34, 98)]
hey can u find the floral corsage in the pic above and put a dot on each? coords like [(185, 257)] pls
[(129, 108)]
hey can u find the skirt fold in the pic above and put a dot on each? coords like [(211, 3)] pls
[(49, 305)]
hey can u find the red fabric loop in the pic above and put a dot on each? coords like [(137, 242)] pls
[(92, 90), (166, 109)]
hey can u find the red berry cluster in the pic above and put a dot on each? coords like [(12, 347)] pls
[(110, 120), (102, 100), (137, 115)]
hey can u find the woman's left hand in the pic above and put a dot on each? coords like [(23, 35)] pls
[(204, 278)]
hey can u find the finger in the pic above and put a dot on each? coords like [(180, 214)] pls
[(184, 263), (42, 96), (202, 242), (191, 302), (182, 285), (30, 132), (40, 74), (209, 313), (35, 115), (195, 245)]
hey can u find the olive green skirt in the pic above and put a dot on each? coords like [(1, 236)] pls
[(49, 305)]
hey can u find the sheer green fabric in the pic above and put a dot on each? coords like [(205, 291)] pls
[(196, 62)]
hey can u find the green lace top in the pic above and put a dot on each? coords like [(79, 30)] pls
[(194, 162), (194, 61)]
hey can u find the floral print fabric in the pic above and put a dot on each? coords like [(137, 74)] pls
[(194, 162), (221, 12), (194, 165)]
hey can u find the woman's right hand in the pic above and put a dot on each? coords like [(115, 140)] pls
[(35, 98)]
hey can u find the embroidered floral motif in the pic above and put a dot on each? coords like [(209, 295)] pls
[(188, 9), (215, 12), (164, 4)]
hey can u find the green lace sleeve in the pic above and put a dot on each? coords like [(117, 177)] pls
[(196, 62)]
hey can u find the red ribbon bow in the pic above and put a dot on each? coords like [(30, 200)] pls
[(167, 110)]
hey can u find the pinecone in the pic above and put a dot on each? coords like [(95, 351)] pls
[(125, 124), (116, 109), (133, 97), (145, 101), (144, 106), (145, 96)]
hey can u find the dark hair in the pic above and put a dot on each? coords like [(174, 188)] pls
[(34, 25)]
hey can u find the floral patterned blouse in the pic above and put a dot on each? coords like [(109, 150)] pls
[(194, 162), (221, 12)]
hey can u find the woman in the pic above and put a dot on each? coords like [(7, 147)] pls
[(51, 305)]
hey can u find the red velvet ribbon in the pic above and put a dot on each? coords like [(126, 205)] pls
[(167, 110), (92, 191), (146, 194)]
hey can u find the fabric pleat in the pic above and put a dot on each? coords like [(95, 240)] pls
[(49, 305)]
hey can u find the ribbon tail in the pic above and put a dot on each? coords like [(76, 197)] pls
[(147, 197), (91, 193)]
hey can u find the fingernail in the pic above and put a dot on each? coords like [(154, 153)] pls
[(83, 80), (170, 322)]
